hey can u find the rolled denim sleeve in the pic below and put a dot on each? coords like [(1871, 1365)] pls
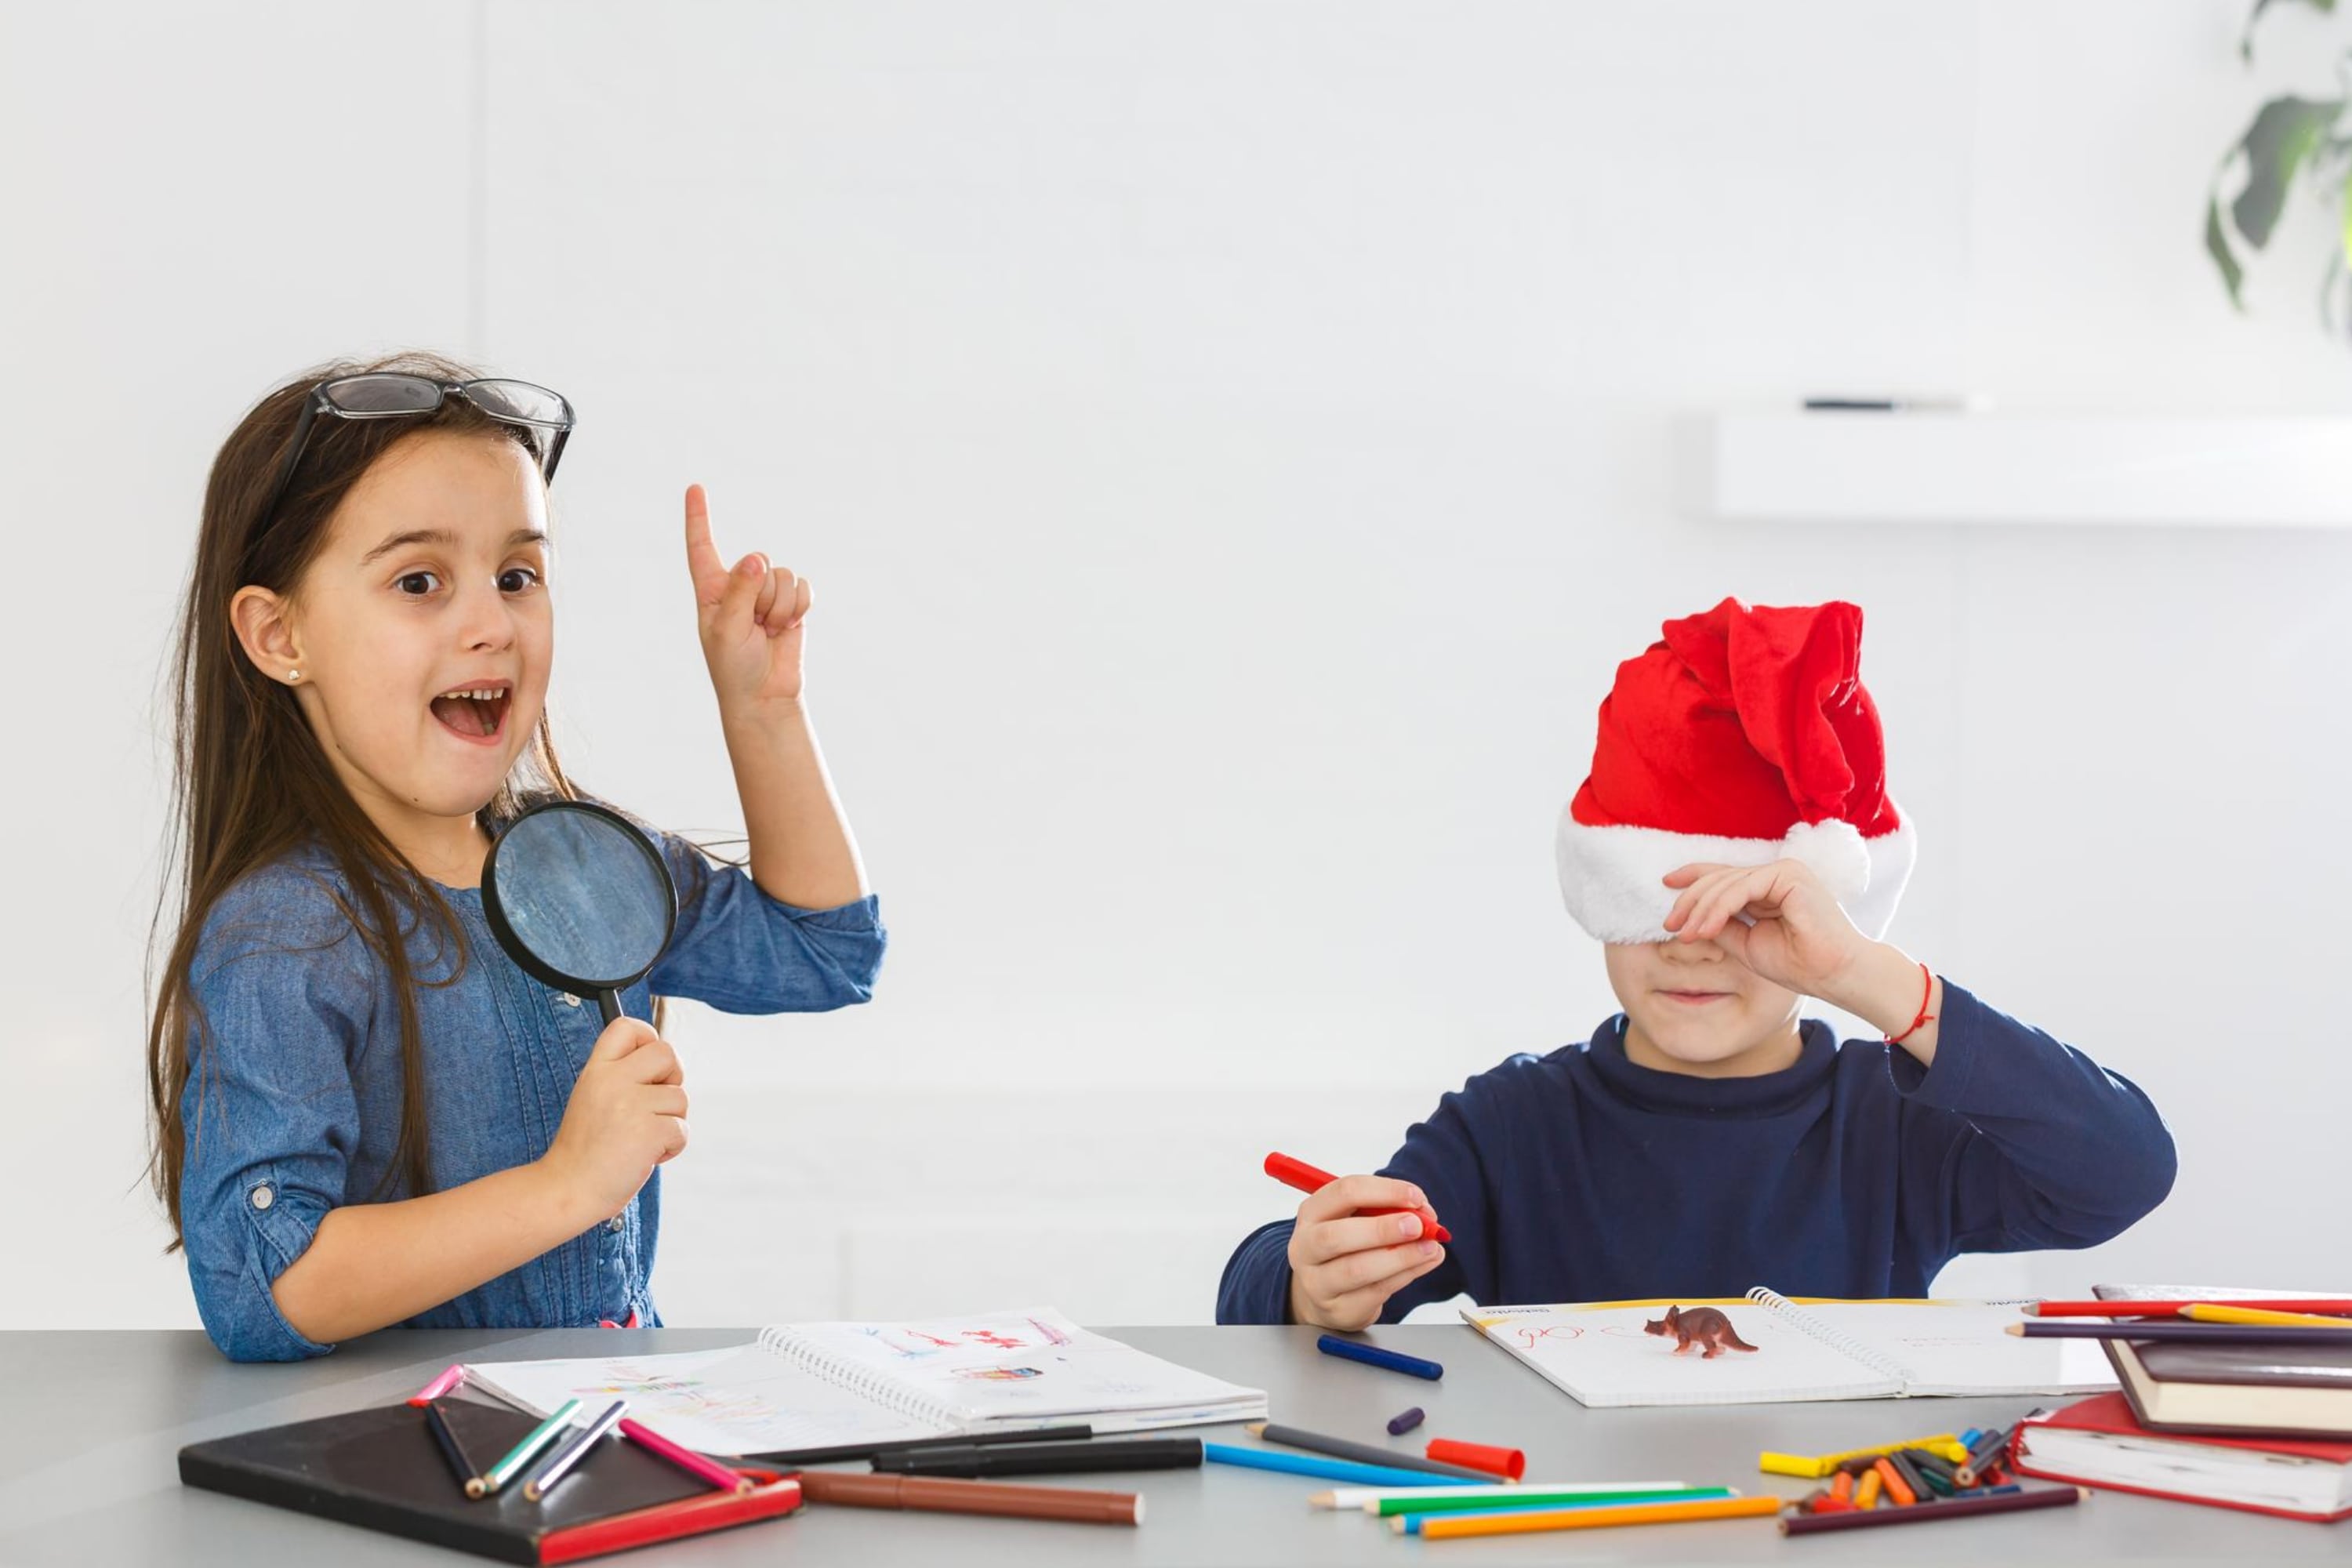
[(741, 950), (270, 1117)]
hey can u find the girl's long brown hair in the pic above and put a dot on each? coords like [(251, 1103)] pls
[(249, 781)]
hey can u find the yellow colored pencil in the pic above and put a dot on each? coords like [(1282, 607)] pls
[(1866, 1494), (1441, 1525), (2217, 1313)]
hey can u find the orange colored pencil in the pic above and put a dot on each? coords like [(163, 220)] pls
[(1531, 1520), (1841, 1489), (1898, 1493)]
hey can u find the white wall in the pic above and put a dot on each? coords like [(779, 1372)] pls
[(1232, 444)]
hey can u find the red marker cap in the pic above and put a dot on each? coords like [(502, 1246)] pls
[(1508, 1463)]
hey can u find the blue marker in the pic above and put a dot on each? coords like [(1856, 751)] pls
[(1372, 1355), (1314, 1465)]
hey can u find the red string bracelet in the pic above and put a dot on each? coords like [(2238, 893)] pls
[(1924, 1016)]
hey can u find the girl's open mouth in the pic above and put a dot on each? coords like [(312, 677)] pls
[(474, 713)]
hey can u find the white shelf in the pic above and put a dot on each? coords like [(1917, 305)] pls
[(1989, 468)]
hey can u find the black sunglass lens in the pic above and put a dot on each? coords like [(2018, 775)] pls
[(519, 400), (384, 395)]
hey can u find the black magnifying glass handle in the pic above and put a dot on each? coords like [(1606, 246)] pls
[(608, 1002)]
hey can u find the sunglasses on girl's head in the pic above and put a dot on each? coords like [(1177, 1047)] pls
[(388, 395)]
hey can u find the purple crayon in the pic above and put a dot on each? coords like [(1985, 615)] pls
[(1400, 1425)]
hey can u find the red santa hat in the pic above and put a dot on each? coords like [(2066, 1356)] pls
[(1744, 737)]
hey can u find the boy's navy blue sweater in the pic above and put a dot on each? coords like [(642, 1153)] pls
[(1579, 1176)]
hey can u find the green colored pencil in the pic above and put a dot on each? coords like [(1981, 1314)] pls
[(1394, 1505), (522, 1453)]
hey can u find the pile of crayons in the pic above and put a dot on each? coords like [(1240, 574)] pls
[(1948, 1476)]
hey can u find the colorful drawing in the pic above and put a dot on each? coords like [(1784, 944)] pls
[(1528, 1337), (1051, 1335), (1000, 1374), (990, 1337), (1700, 1326)]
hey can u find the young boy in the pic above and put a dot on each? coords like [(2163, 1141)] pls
[(1735, 851)]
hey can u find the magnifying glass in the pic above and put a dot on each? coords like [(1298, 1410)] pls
[(580, 899)]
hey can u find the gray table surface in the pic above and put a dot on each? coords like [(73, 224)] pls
[(94, 1422)]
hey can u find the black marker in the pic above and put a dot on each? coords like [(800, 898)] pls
[(1045, 1459)]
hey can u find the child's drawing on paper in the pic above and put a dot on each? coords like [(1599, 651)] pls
[(1702, 1326), (1001, 1373)]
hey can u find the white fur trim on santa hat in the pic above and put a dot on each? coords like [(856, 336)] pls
[(1615, 878)]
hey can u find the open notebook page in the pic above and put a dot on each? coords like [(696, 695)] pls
[(1026, 1366), (1961, 1348), (745, 1400), (1603, 1357)]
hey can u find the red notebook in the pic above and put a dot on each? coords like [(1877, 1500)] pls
[(2096, 1443)]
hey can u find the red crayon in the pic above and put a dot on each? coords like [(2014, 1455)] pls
[(1298, 1173)]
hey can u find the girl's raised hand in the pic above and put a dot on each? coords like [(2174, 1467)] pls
[(750, 617), (1793, 933)]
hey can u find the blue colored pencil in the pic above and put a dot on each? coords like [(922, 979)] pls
[(574, 1448), (1322, 1469), (1372, 1355)]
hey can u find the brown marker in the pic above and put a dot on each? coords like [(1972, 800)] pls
[(937, 1495)]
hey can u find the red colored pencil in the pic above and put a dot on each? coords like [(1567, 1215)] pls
[(2330, 1306), (1298, 1173)]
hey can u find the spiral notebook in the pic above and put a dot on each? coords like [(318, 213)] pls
[(811, 1386), (1606, 1354)]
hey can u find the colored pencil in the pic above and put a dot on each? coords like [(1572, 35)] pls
[(1372, 1355), (1303, 1177), (710, 1471), (1366, 1497), (1438, 1527), (438, 1387), (530, 1449), (1046, 1458), (2222, 1313), (1866, 1489), (2336, 1306), (460, 1466), (1950, 1508), (575, 1449), (934, 1495), (1311, 1465), (1553, 1500), (1898, 1490), (1983, 1455), (2185, 1333), (1362, 1453)]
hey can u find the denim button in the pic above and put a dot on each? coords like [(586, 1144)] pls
[(263, 1197), (616, 1224), (568, 999)]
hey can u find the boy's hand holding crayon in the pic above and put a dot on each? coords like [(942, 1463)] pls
[(1345, 1265)]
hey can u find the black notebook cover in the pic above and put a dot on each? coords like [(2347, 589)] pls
[(380, 1470)]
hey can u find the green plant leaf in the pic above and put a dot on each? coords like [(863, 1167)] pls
[(2216, 245), (2275, 145), (2246, 42)]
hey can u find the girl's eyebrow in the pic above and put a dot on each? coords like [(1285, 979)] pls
[(442, 536)]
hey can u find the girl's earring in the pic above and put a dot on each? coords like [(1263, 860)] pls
[(292, 676)]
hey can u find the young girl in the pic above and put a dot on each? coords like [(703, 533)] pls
[(364, 1112)]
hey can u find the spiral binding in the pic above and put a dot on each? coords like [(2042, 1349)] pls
[(1843, 1344), (867, 1382)]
